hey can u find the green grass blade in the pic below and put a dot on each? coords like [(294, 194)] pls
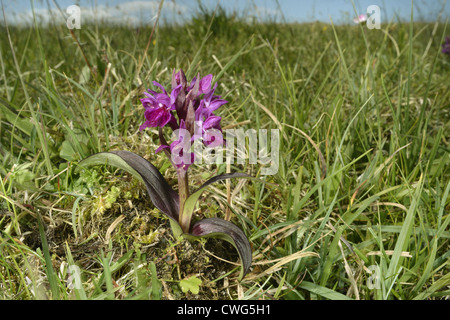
[(51, 276), (323, 291), (404, 236)]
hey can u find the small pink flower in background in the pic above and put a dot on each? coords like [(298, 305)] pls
[(360, 19)]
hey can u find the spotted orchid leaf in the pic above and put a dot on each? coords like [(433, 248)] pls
[(160, 192), (225, 230)]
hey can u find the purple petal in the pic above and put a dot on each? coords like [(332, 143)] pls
[(174, 94), (216, 104), (213, 138), (199, 112), (193, 90), (212, 122), (209, 94), (160, 86), (150, 95), (157, 117), (205, 84), (164, 119), (163, 99), (147, 103), (193, 82), (179, 78), (161, 148), (145, 125)]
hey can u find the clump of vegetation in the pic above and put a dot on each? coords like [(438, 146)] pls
[(188, 110)]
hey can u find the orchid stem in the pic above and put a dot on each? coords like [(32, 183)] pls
[(183, 191)]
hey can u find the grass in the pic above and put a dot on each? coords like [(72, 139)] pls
[(361, 207)]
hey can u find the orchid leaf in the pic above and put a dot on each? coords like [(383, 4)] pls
[(225, 230), (189, 205), (160, 192)]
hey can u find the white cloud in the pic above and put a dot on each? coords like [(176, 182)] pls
[(130, 12)]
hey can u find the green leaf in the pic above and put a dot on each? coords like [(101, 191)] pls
[(67, 152), (85, 75), (79, 291), (323, 291), (51, 275), (404, 236), (191, 284), (156, 285), (21, 123), (161, 194)]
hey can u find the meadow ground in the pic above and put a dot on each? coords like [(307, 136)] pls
[(359, 206)]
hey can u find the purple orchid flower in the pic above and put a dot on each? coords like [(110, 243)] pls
[(446, 46), (158, 107), (204, 84), (211, 102), (207, 127), (189, 112), (194, 103), (181, 156), (212, 132)]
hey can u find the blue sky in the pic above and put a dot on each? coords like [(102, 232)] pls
[(281, 10)]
